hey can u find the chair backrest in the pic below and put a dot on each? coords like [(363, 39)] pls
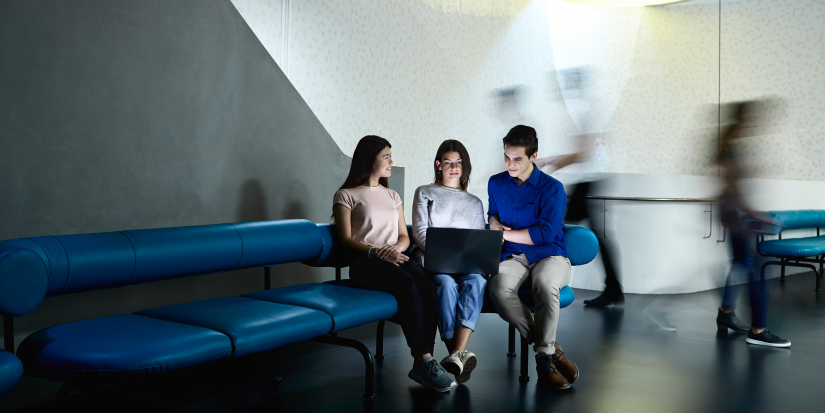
[(798, 219), (582, 246), (37, 267)]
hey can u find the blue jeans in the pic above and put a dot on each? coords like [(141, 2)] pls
[(743, 261), (460, 298)]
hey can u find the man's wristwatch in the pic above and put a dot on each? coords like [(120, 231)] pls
[(372, 252)]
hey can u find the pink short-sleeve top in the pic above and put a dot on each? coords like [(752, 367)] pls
[(374, 216)]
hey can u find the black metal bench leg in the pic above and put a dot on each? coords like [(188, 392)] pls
[(524, 376), (511, 341), (276, 365), (782, 272), (379, 341), (369, 373)]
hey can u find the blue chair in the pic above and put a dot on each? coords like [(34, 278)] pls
[(794, 252)]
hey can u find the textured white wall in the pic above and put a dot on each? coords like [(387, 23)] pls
[(421, 71)]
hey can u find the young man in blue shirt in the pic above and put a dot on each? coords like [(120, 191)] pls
[(528, 205)]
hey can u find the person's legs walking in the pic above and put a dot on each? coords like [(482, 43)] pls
[(613, 288), (740, 269), (759, 294)]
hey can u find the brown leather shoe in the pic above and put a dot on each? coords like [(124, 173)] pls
[(549, 376), (567, 368)]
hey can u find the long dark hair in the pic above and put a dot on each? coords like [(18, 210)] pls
[(452, 145), (363, 159)]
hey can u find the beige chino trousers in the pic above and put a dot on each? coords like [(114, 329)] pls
[(547, 278)]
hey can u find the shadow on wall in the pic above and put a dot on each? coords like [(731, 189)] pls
[(252, 205), (292, 206)]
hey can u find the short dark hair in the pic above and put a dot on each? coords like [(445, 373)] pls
[(452, 145), (523, 136)]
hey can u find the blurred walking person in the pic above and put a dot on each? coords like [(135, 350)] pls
[(741, 221), (577, 211)]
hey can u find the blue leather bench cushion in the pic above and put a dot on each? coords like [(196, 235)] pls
[(794, 247), (349, 307), (24, 279), (96, 261), (796, 219), (125, 345), (253, 325), (164, 253), (332, 253), (11, 369), (276, 242)]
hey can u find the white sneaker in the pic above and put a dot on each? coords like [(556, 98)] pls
[(469, 360), (453, 364)]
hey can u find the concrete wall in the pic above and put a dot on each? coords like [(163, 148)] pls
[(146, 114)]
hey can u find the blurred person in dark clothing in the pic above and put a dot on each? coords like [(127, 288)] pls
[(740, 218), (577, 211)]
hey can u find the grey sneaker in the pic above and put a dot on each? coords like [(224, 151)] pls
[(470, 361), (431, 375)]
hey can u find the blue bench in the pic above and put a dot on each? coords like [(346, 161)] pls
[(174, 337), (582, 246), (177, 336), (795, 252)]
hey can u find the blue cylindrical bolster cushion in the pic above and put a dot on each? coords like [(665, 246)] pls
[(11, 369), (582, 244), (23, 280)]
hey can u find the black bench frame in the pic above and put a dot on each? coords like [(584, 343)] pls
[(334, 339), (803, 262)]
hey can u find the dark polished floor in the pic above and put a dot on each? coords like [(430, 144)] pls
[(627, 363)]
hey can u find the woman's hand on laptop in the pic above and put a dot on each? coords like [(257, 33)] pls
[(391, 253)]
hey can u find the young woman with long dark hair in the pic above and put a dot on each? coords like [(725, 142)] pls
[(369, 217), (446, 203)]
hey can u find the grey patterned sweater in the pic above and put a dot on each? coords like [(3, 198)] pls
[(440, 206)]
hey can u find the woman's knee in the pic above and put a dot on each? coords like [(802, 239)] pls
[(474, 281), (445, 285)]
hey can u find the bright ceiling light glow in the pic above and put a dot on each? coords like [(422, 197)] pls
[(624, 3)]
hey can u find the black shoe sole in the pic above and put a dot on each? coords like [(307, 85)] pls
[(590, 303)]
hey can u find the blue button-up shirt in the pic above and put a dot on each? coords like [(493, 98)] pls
[(537, 206)]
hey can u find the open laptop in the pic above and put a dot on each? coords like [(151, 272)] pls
[(462, 251)]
